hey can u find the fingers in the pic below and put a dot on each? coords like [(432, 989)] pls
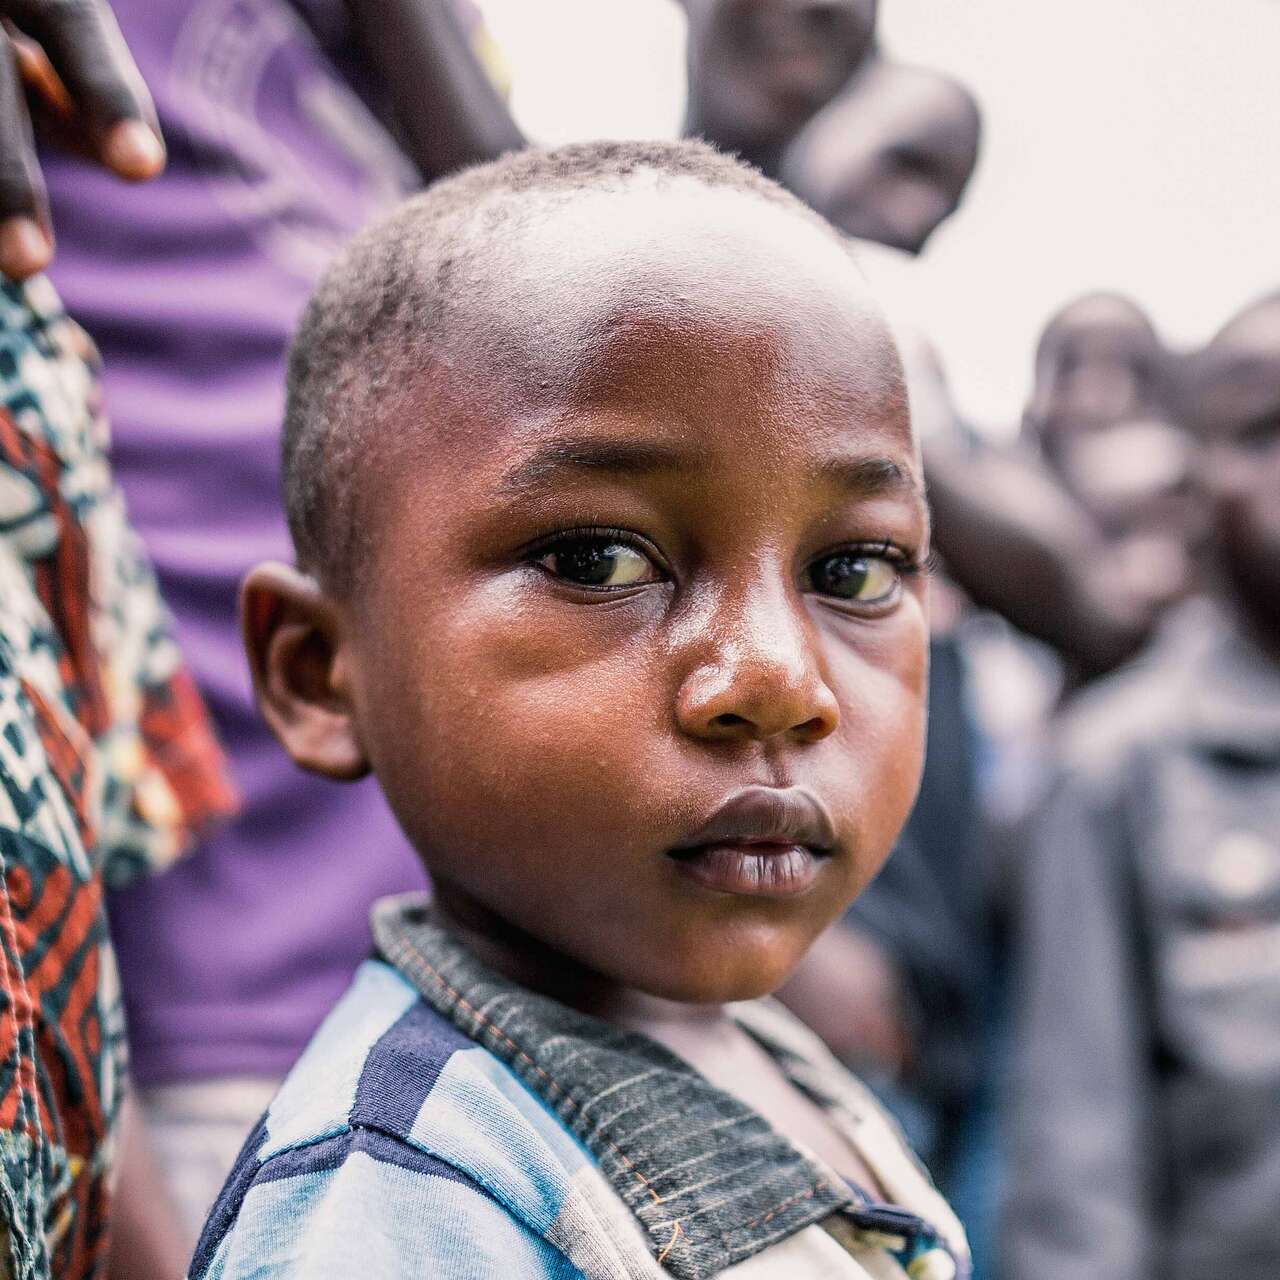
[(86, 50), (25, 244)]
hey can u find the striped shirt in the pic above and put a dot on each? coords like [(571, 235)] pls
[(446, 1122)]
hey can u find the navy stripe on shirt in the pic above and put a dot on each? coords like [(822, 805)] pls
[(402, 1068), (332, 1152)]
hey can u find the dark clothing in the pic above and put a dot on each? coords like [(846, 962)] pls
[(1146, 1117), (930, 906)]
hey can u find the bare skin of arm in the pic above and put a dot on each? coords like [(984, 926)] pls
[(848, 990), (451, 113), (147, 1239)]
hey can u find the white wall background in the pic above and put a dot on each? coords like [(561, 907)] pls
[(1130, 144)]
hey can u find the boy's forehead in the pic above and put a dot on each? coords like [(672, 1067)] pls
[(648, 293)]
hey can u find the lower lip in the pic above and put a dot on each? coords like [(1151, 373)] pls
[(752, 870)]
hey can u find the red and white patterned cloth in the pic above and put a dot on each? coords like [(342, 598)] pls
[(108, 768)]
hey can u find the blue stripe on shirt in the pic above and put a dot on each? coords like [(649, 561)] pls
[(380, 1221)]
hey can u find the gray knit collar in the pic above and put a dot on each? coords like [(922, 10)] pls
[(709, 1180)]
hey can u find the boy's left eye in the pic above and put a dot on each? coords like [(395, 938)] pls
[(859, 576), (599, 561)]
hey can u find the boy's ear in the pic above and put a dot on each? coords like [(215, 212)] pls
[(301, 678)]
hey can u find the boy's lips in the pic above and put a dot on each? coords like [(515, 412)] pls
[(762, 842)]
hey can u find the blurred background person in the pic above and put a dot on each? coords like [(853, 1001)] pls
[(108, 768), (1101, 416), (1144, 1118), (108, 773), (889, 159), (289, 125), (910, 987), (759, 70)]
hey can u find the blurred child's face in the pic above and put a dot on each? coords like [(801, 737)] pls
[(760, 68), (640, 656), (1238, 410), (1096, 372), (889, 160)]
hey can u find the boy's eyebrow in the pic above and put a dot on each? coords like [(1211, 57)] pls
[(593, 454), (862, 475), (869, 476)]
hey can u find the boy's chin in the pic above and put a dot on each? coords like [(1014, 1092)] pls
[(723, 980)]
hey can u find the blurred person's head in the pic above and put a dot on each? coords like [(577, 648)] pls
[(610, 529), (1100, 415), (760, 69), (1099, 362), (890, 158), (1232, 398)]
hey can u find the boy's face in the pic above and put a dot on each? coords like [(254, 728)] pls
[(639, 658)]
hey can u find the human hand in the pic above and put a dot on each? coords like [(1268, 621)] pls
[(66, 74)]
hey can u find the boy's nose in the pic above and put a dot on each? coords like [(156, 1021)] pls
[(761, 682)]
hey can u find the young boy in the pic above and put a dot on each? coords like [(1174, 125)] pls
[(1145, 1123), (610, 535)]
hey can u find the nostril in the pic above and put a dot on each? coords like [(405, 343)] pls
[(813, 730), (727, 720)]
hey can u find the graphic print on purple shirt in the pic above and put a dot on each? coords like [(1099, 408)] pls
[(191, 286)]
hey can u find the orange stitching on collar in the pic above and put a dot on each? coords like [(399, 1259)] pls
[(786, 1204), (675, 1235)]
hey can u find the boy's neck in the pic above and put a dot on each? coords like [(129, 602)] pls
[(525, 960)]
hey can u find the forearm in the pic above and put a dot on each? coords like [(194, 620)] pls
[(147, 1240), (451, 113), (1017, 544)]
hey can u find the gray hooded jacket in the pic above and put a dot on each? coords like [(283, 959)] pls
[(1145, 1126)]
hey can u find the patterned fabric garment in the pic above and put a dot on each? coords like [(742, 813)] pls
[(445, 1122), (107, 767)]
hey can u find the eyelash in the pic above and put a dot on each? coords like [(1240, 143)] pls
[(904, 561), (535, 550), (906, 564)]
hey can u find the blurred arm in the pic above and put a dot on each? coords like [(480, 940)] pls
[(1082, 1150), (450, 110), (1019, 545)]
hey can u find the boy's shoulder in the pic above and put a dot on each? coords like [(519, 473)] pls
[(394, 1120), (446, 1122)]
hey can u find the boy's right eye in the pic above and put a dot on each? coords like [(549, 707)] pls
[(598, 561)]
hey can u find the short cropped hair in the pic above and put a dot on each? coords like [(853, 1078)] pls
[(399, 293)]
